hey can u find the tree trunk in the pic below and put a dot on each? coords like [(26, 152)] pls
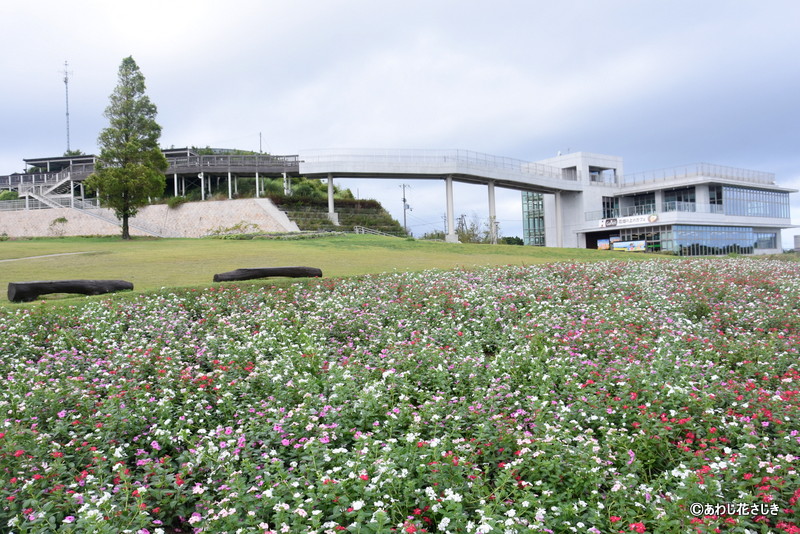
[(125, 233), (28, 291), (266, 272)]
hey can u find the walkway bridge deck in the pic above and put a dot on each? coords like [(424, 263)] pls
[(460, 165)]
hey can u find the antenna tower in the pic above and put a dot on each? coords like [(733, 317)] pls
[(66, 88)]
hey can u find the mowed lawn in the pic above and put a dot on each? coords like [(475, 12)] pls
[(155, 263)]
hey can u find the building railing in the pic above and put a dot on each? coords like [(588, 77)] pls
[(232, 162), (415, 157), (705, 170), (667, 207), (81, 170), (35, 204)]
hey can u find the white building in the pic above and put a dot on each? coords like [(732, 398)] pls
[(691, 210)]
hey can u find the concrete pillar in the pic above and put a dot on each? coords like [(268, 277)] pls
[(287, 185), (492, 215), (331, 214), (175, 183), (559, 221), (71, 194), (230, 192), (258, 190), (451, 236), (202, 186)]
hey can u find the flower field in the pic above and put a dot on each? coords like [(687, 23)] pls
[(657, 396)]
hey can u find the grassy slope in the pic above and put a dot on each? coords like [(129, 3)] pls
[(152, 264)]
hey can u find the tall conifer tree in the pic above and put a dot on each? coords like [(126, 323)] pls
[(130, 167)]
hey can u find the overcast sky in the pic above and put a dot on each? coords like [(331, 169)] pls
[(660, 83)]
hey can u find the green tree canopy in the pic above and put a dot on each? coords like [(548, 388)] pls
[(129, 169)]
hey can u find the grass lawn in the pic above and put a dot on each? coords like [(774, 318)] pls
[(156, 263)]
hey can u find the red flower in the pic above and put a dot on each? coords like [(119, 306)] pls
[(615, 518), (19, 453), (637, 527), (364, 477)]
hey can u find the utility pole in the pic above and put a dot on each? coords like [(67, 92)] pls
[(406, 207), (66, 88)]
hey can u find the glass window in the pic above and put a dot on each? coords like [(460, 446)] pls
[(533, 230), (766, 240), (755, 202), (680, 199), (610, 207), (713, 240)]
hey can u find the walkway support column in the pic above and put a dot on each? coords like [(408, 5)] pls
[(175, 183), (559, 221), (332, 215), (258, 191), (230, 194), (451, 236), (492, 215), (202, 185)]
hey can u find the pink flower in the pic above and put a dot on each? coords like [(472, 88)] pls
[(637, 527)]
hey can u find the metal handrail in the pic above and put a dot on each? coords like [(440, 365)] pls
[(427, 157), (365, 230), (667, 207), (706, 170)]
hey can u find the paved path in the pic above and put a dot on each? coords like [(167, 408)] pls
[(49, 255)]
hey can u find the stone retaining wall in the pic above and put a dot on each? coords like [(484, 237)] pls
[(191, 219)]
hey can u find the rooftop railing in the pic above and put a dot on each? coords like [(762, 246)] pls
[(705, 170)]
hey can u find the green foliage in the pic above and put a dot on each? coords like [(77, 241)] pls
[(469, 231), (208, 151), (511, 240), (240, 230), (57, 226), (130, 167), (74, 153), (9, 195), (174, 202)]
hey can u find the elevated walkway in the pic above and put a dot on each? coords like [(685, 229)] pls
[(448, 165)]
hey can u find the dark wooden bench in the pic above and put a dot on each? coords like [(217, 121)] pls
[(266, 272), (28, 291)]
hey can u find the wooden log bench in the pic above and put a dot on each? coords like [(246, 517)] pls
[(267, 272), (28, 291)]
